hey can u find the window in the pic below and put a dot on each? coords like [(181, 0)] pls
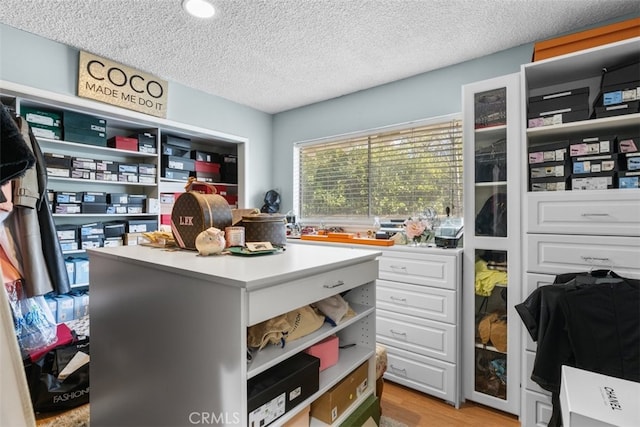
[(390, 173)]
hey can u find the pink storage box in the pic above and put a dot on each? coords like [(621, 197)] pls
[(326, 350)]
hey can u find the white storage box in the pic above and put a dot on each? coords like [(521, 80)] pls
[(588, 399)]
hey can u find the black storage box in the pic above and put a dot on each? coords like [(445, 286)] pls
[(549, 152), (137, 199), (53, 160), (83, 163), (128, 168), (558, 102), (107, 166), (94, 208), (288, 383), (591, 145), (67, 231), (175, 174), (92, 228), (595, 164), (147, 169), (67, 197), (175, 146), (594, 181), (229, 169), (142, 225), (206, 156), (550, 184), (177, 141), (179, 163), (622, 73), (114, 228), (550, 169), (618, 94), (68, 208), (630, 161), (118, 198), (618, 109), (117, 208), (146, 143), (629, 179), (93, 197)]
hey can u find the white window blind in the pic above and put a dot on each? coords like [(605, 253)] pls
[(395, 174)]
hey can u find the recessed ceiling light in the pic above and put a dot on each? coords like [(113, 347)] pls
[(199, 8)]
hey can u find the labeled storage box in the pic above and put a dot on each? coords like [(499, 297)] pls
[(629, 179), (551, 169), (325, 350), (589, 399), (336, 400), (628, 144), (57, 160), (67, 197), (630, 107), (82, 270), (595, 164), (630, 161), (49, 132), (279, 389), (80, 304), (559, 107), (93, 197), (176, 174), (142, 225), (206, 156), (549, 152), (40, 116), (370, 408), (123, 143), (229, 169), (64, 312), (180, 163), (67, 231), (85, 137), (114, 229), (585, 146), (83, 122), (83, 163), (597, 181), (146, 142), (94, 208)]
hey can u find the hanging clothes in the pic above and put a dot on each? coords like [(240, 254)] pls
[(586, 320), (34, 228)]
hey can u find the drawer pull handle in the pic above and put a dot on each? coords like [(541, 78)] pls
[(402, 268), (334, 285), (595, 214), (592, 258), (396, 369), (397, 299), (404, 334)]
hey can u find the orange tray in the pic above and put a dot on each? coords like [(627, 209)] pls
[(351, 240)]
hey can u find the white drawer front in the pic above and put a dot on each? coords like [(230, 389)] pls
[(421, 373), (537, 410), (529, 361), (575, 212), (555, 254), (271, 301), (428, 303), (533, 282), (420, 269), (433, 339)]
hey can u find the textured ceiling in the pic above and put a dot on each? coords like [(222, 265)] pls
[(275, 55)]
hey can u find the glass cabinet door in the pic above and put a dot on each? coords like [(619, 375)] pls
[(491, 243)]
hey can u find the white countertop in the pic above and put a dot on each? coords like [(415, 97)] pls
[(433, 250), (251, 272)]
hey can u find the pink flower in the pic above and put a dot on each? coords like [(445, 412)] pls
[(414, 227)]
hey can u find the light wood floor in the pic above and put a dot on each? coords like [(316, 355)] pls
[(417, 409)]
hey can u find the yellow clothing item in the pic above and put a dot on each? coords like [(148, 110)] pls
[(487, 279)]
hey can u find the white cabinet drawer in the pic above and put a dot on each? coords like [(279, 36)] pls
[(556, 254), (269, 302), (422, 301), (433, 339), (611, 212), (421, 373), (537, 410), (420, 269)]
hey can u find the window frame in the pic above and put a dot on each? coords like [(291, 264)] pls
[(401, 127)]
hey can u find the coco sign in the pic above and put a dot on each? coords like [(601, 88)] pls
[(117, 84)]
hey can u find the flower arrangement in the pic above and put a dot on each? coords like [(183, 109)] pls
[(417, 230)]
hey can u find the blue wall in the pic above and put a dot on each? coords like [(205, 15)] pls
[(431, 94)]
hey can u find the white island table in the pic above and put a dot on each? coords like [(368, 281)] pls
[(169, 328)]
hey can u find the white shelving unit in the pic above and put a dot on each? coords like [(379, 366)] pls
[(573, 230), (492, 140), (123, 123)]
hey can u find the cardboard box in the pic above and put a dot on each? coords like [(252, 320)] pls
[(325, 350), (82, 270), (589, 399), (80, 305), (71, 271), (300, 420), (279, 389), (586, 39), (335, 401)]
